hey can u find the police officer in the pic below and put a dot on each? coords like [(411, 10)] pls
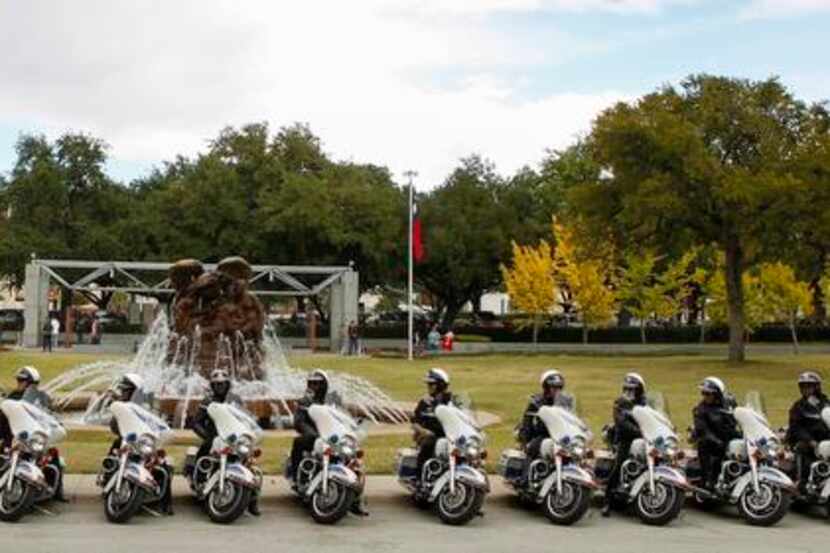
[(532, 430), (624, 431), (28, 380), (317, 389), (427, 427), (806, 427), (714, 427)]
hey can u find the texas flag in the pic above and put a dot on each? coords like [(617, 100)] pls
[(417, 244)]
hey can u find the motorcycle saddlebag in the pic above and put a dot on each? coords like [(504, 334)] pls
[(407, 463), (512, 464)]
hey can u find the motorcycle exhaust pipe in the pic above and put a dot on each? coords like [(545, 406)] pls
[(822, 470), (110, 464)]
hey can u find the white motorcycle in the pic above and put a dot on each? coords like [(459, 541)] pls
[(227, 480), (139, 473), (331, 479), (29, 475), (559, 479), (651, 478), (750, 477), (818, 485), (454, 480)]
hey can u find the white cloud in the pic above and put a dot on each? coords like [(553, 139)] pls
[(157, 78), (769, 9)]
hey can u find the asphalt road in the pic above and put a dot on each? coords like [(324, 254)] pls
[(395, 525)]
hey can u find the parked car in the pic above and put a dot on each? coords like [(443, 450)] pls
[(11, 319)]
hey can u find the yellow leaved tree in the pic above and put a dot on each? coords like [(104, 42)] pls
[(785, 298), (530, 283), (586, 279)]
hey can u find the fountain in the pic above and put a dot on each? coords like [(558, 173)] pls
[(216, 323)]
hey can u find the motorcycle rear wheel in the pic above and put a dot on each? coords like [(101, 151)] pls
[(662, 507), (766, 508), (16, 502), (569, 506), (226, 507), (459, 508), (332, 506), (120, 508)]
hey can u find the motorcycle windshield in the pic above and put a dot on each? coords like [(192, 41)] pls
[(563, 423), (825, 415), (331, 421), (653, 418), (135, 421), (39, 406), (459, 421), (232, 422), (752, 418)]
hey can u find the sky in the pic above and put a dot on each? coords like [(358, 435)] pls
[(410, 84)]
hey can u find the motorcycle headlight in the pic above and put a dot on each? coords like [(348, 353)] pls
[(666, 447), (472, 448), (574, 447), (243, 446), (146, 445), (768, 447), (37, 443), (347, 447)]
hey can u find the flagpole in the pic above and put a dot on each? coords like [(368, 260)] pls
[(410, 175)]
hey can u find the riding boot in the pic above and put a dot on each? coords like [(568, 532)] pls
[(253, 507)]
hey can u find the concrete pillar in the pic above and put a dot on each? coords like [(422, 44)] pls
[(36, 309), (343, 307)]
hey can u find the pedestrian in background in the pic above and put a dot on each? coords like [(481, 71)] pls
[(56, 330), (47, 336), (354, 338)]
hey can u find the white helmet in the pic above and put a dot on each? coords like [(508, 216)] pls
[(28, 373), (713, 384), (552, 378), (132, 378), (633, 380), (437, 376)]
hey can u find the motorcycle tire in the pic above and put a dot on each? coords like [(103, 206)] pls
[(768, 514), (23, 498), (226, 508), (459, 508), (121, 512), (570, 507), (661, 509), (332, 506)]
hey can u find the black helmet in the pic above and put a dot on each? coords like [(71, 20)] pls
[(220, 383), (810, 378), (318, 383), (552, 379)]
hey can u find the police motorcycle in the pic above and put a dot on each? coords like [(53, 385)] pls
[(750, 476), (818, 484), (30, 472), (559, 480), (652, 480), (454, 481), (331, 478), (138, 473)]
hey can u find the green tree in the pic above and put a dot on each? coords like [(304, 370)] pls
[(710, 162)]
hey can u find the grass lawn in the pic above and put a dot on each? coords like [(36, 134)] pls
[(500, 384)]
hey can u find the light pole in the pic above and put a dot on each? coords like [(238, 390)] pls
[(410, 175)]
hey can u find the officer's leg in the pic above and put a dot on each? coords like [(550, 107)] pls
[(166, 501), (614, 477), (426, 451), (58, 484), (532, 450), (301, 445)]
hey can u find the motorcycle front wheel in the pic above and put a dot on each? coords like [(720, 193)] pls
[(333, 505), (17, 501), (460, 507), (569, 506), (660, 508), (121, 506), (227, 506), (766, 507)]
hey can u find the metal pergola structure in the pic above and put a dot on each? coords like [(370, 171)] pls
[(150, 279)]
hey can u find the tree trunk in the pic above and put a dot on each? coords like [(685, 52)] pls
[(794, 334), (703, 323), (819, 309), (584, 333), (735, 299), (535, 332), (643, 330), (453, 308)]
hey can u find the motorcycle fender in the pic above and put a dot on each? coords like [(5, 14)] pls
[(338, 473), (463, 473), (662, 473), (770, 475), (237, 473), (570, 473), (139, 476), (29, 473)]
